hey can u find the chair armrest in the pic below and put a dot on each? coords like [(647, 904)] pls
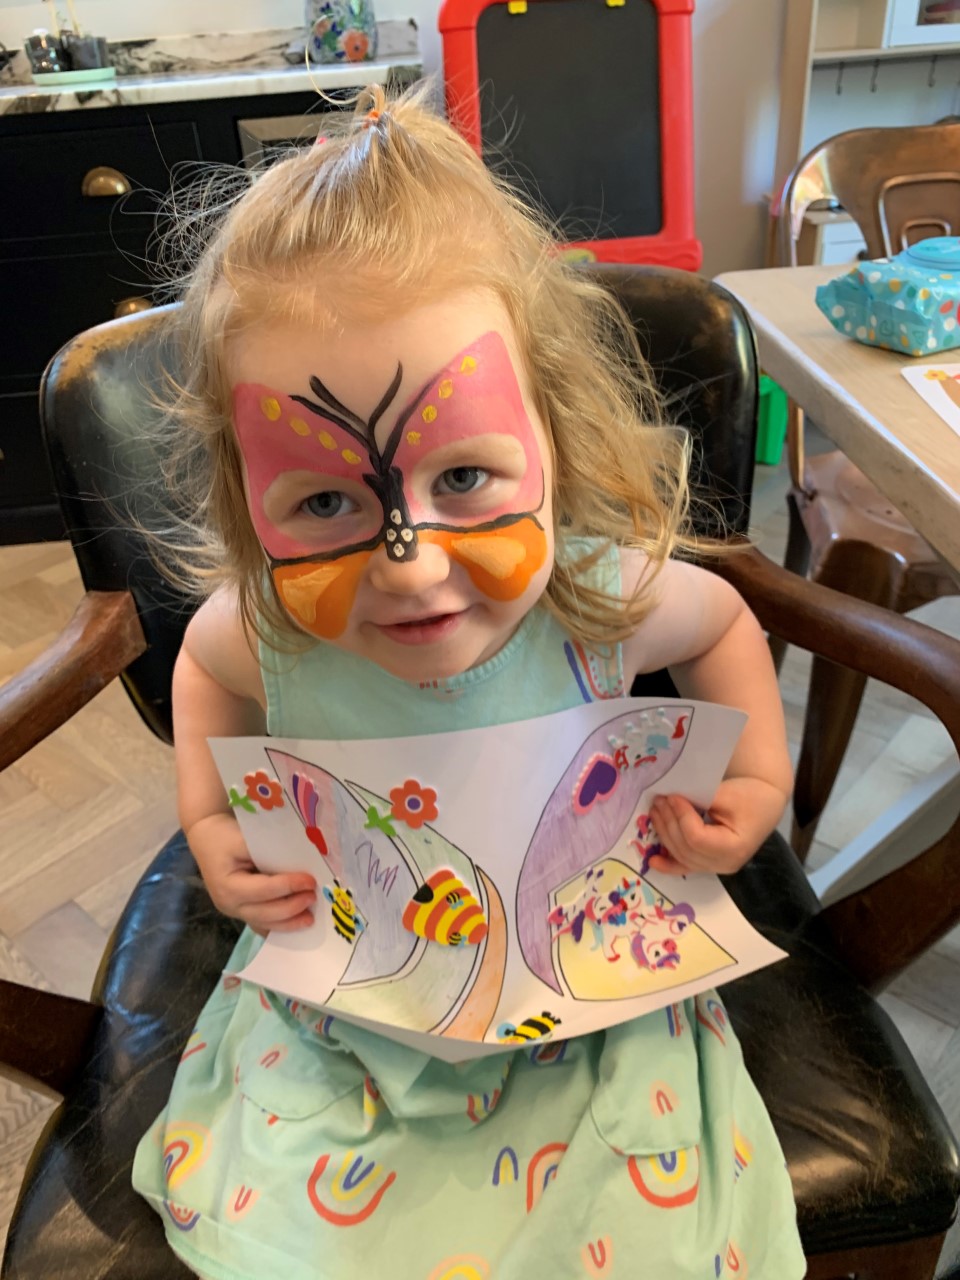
[(44, 1037), (101, 639), (879, 930)]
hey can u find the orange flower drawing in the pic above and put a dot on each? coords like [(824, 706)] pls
[(355, 45), (413, 804), (267, 793)]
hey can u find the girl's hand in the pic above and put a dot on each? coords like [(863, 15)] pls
[(263, 901), (743, 813)]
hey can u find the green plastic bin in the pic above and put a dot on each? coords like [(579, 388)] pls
[(771, 421)]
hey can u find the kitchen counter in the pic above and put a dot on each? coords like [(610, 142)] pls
[(232, 65)]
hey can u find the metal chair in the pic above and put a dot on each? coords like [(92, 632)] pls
[(876, 1172), (899, 186)]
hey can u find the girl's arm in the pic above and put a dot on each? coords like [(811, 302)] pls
[(715, 650), (218, 692)]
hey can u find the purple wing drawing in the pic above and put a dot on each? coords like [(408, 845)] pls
[(589, 813)]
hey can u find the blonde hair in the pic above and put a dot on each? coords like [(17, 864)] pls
[(395, 209)]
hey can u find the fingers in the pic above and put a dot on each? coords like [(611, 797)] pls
[(262, 886), (284, 915), (690, 844), (667, 865), (266, 902)]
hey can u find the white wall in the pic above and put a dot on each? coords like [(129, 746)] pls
[(736, 71), (736, 66)]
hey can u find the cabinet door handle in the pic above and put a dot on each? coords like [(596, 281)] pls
[(130, 307), (104, 181)]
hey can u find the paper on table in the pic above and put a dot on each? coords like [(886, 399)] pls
[(489, 887), (939, 385)]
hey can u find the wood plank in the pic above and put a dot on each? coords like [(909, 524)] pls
[(14, 1154), (113, 839), (44, 862), (66, 946), (917, 749), (927, 1037), (932, 984), (136, 841)]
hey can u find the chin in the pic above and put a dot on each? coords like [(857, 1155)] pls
[(422, 668)]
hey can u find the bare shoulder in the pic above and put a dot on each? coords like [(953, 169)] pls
[(691, 609), (218, 641)]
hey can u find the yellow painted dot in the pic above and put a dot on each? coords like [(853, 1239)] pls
[(468, 365), (299, 426), (270, 408), (917, 352), (349, 456), (896, 286), (905, 341), (872, 335), (445, 389), (430, 413), (924, 294), (413, 437), (947, 276), (326, 439)]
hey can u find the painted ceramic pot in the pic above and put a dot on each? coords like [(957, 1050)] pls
[(341, 30)]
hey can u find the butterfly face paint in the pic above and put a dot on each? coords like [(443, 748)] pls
[(328, 489)]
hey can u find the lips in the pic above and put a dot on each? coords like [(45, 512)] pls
[(426, 629)]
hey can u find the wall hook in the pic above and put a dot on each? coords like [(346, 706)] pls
[(932, 77), (840, 70), (875, 75)]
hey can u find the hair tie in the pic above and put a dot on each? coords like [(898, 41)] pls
[(320, 141), (372, 117)]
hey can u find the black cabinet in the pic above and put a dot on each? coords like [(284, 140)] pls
[(82, 206)]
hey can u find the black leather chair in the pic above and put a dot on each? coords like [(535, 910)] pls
[(874, 1166)]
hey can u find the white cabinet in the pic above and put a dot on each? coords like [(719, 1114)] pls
[(850, 64)]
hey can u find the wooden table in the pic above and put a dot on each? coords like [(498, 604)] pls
[(856, 396)]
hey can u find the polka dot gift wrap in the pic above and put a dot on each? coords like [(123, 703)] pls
[(909, 303)]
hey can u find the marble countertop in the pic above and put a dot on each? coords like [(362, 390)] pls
[(235, 65)]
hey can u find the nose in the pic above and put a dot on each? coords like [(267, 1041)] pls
[(429, 568)]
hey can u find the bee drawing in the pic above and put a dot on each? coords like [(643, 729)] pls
[(444, 910), (347, 920), (529, 1029)]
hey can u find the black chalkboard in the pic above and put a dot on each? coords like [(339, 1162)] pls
[(570, 111)]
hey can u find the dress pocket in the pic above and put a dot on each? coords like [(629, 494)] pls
[(647, 1098), (290, 1070)]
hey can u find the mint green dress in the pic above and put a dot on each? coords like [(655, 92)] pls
[(295, 1145)]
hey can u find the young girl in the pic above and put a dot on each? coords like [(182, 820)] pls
[(434, 506)]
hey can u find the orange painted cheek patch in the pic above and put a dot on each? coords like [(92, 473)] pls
[(500, 562), (320, 595)]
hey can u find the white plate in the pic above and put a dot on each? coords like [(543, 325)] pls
[(97, 75)]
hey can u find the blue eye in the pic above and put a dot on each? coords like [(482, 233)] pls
[(327, 504), (462, 479)]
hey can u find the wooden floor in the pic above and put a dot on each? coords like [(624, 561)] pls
[(82, 814)]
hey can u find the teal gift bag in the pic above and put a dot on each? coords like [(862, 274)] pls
[(909, 303)]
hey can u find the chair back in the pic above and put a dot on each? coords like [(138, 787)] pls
[(899, 185), (100, 400)]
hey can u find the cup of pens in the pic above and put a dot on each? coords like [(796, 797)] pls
[(84, 53), (67, 50)]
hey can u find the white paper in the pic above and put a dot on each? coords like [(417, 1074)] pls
[(535, 850), (939, 385)]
